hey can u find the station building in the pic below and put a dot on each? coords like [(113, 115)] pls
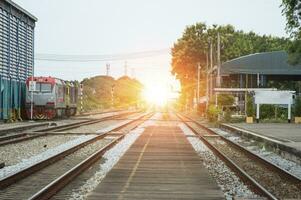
[(262, 70), (16, 57), (257, 71)]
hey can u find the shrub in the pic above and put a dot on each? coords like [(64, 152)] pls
[(297, 107), (250, 106), (227, 115), (213, 113), (225, 100)]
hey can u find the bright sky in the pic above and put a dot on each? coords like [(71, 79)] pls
[(102, 27)]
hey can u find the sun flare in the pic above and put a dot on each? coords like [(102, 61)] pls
[(156, 94)]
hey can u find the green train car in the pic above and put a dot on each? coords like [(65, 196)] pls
[(16, 58)]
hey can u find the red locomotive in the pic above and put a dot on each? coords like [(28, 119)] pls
[(51, 97)]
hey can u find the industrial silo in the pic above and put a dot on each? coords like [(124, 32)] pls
[(16, 57)]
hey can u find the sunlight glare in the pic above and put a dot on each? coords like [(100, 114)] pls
[(156, 94)]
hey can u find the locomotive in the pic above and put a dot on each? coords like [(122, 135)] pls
[(51, 97)]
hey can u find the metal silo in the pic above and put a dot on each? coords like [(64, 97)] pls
[(16, 57)]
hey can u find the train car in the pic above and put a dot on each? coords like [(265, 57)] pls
[(51, 98)]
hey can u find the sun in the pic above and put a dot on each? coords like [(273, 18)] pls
[(156, 94)]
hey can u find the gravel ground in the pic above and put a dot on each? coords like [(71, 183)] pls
[(226, 179), (32, 184), (110, 158), (277, 185), (12, 154), (251, 145), (22, 163)]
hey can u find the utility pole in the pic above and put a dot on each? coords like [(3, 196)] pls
[(218, 78), (198, 85), (112, 95), (211, 67), (108, 69), (81, 98), (125, 69), (207, 80)]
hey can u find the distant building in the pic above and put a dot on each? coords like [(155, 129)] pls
[(16, 57), (262, 70), (253, 72)]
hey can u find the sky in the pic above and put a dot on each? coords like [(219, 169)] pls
[(110, 27)]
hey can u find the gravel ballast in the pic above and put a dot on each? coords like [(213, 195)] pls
[(226, 179), (24, 163), (275, 183), (255, 148), (12, 154), (110, 158)]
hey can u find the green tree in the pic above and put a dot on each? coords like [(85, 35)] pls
[(297, 107), (127, 91), (98, 92), (192, 48), (291, 10)]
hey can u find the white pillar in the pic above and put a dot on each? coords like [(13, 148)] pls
[(289, 113)]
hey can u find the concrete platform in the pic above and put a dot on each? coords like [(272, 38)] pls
[(283, 137), (161, 164)]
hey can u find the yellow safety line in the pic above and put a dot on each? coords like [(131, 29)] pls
[(128, 182)]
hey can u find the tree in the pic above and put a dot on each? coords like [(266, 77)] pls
[(98, 92), (192, 48), (292, 12), (127, 91)]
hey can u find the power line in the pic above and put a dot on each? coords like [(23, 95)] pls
[(94, 58)]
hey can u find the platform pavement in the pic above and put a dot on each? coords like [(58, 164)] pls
[(161, 164), (285, 138)]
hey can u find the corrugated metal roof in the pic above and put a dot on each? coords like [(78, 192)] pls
[(270, 63), (22, 10)]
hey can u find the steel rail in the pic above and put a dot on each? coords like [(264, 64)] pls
[(259, 158), (23, 128), (17, 176), (58, 184), (245, 177), (10, 139)]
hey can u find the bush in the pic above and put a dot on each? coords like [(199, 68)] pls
[(225, 99), (227, 115), (213, 113), (297, 107), (250, 106)]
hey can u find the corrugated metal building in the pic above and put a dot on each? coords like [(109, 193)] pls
[(16, 57)]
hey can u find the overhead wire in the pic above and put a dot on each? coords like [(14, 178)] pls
[(105, 57)]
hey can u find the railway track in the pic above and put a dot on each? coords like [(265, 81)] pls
[(4, 132), (44, 179), (19, 137), (262, 176)]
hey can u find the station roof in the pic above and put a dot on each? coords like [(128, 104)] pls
[(269, 63)]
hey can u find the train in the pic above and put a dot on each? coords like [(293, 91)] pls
[(50, 97)]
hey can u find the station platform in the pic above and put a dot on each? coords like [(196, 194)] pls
[(161, 164), (283, 137)]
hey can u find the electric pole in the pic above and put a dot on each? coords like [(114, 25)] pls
[(207, 80), (198, 85), (108, 69), (112, 95), (211, 67), (218, 78)]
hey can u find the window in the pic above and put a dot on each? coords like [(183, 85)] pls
[(45, 87)]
